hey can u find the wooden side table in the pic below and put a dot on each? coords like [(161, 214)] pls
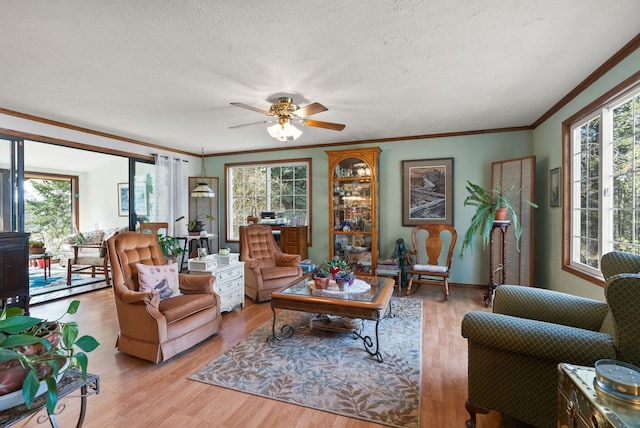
[(46, 262)]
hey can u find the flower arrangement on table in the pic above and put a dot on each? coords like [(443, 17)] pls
[(336, 265), (344, 277)]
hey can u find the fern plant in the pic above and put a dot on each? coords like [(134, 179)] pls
[(487, 203)]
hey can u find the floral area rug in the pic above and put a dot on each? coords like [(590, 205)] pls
[(331, 371)]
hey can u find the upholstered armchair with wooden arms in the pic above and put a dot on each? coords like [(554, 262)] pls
[(514, 352), (151, 328), (266, 268)]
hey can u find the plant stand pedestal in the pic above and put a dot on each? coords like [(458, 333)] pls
[(502, 226)]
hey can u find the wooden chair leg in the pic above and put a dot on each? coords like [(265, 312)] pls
[(106, 274), (446, 288), (410, 285), (472, 409), (69, 272)]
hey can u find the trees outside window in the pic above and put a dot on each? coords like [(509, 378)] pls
[(275, 186), (605, 182), (48, 209)]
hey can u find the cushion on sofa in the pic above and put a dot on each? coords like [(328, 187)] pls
[(185, 305), (160, 278)]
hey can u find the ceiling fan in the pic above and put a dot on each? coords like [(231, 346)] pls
[(286, 114)]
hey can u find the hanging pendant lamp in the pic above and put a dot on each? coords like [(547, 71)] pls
[(202, 190)]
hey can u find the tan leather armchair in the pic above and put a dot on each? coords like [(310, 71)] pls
[(266, 268), (151, 328)]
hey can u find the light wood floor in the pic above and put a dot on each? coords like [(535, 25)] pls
[(135, 393)]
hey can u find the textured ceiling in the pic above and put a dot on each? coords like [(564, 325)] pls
[(164, 72)]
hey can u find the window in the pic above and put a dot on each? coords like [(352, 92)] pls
[(283, 187), (604, 181)]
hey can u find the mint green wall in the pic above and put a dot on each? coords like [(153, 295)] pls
[(547, 143), (472, 161)]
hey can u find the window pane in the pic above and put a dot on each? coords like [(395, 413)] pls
[(622, 225), (592, 224), (594, 193), (267, 187), (623, 120), (623, 156), (622, 192)]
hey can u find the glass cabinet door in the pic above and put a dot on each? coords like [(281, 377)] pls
[(353, 207)]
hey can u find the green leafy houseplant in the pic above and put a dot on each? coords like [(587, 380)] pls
[(321, 272), (170, 245), (191, 225), (487, 203), (41, 348)]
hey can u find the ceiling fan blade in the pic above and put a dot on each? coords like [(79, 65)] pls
[(326, 125), (252, 123), (310, 109), (248, 107)]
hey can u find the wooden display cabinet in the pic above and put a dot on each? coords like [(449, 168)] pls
[(292, 240), (353, 207)]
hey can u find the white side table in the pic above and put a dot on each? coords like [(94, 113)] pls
[(229, 284)]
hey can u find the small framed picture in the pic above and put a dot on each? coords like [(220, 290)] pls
[(554, 187)]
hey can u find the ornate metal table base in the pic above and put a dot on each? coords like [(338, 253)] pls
[(70, 382), (371, 345)]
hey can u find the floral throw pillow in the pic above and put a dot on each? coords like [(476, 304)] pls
[(160, 278)]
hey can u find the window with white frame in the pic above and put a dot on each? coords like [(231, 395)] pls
[(605, 182), (279, 186)]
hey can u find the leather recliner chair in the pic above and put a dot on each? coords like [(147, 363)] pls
[(266, 268), (151, 328)]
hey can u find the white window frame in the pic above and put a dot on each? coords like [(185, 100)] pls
[(229, 168), (602, 109)]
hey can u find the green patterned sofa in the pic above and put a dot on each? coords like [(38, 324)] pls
[(514, 352)]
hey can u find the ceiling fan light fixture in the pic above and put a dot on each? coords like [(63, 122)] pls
[(284, 131), (202, 190)]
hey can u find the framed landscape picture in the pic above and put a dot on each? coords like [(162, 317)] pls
[(140, 199), (427, 191)]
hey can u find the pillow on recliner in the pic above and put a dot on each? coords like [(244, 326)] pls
[(160, 278)]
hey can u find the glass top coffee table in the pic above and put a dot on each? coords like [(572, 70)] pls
[(369, 301)]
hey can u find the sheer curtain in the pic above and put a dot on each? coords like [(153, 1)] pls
[(171, 188)]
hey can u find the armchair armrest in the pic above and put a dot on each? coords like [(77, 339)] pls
[(537, 338), (251, 263), (284, 259), (196, 284), (139, 297), (550, 306)]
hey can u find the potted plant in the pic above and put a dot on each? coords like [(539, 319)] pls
[(321, 277), (336, 264), (344, 277), (491, 205), (33, 350), (36, 246), (196, 225), (170, 246)]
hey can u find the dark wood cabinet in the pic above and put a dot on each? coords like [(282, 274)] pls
[(14, 269), (292, 239)]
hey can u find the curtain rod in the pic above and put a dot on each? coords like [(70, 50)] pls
[(167, 157)]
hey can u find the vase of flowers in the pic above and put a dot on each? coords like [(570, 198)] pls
[(344, 278)]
